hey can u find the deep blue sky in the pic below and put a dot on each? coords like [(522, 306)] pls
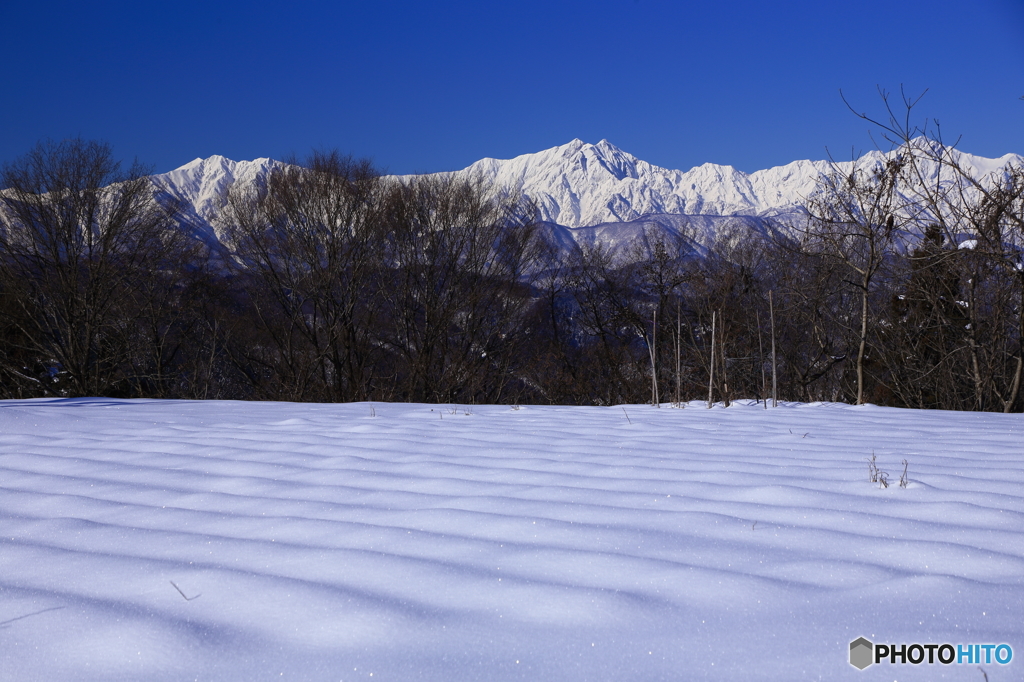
[(429, 86)]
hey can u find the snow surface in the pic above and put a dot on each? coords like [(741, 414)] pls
[(426, 542)]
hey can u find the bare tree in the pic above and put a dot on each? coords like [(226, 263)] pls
[(459, 257), (975, 224), (309, 250), (854, 219), (85, 255)]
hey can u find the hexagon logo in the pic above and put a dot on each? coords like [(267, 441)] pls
[(862, 653)]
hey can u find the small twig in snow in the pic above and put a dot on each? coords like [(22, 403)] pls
[(183, 594), (627, 415), (872, 469), (7, 623)]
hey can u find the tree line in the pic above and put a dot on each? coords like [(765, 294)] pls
[(902, 284)]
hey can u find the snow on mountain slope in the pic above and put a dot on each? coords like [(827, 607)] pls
[(696, 232), (580, 185), (201, 186)]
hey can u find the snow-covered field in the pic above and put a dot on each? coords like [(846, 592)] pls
[(149, 540)]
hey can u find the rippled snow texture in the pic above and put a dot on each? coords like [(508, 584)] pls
[(318, 542)]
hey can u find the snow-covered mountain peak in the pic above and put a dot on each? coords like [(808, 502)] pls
[(200, 188), (580, 184)]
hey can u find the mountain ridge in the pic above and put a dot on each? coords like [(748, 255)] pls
[(577, 185)]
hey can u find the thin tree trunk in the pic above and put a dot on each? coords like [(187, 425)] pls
[(760, 357), (679, 342), (775, 393), (725, 366), (213, 351), (979, 385), (1014, 388), (711, 376), (863, 339), (655, 400)]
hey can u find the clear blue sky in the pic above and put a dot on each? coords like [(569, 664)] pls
[(429, 86)]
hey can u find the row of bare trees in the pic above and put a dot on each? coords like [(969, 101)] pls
[(902, 284), (932, 249), (97, 291), (356, 287)]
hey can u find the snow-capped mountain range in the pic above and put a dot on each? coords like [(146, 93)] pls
[(580, 186)]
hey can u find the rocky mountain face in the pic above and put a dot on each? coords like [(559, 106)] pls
[(200, 189)]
